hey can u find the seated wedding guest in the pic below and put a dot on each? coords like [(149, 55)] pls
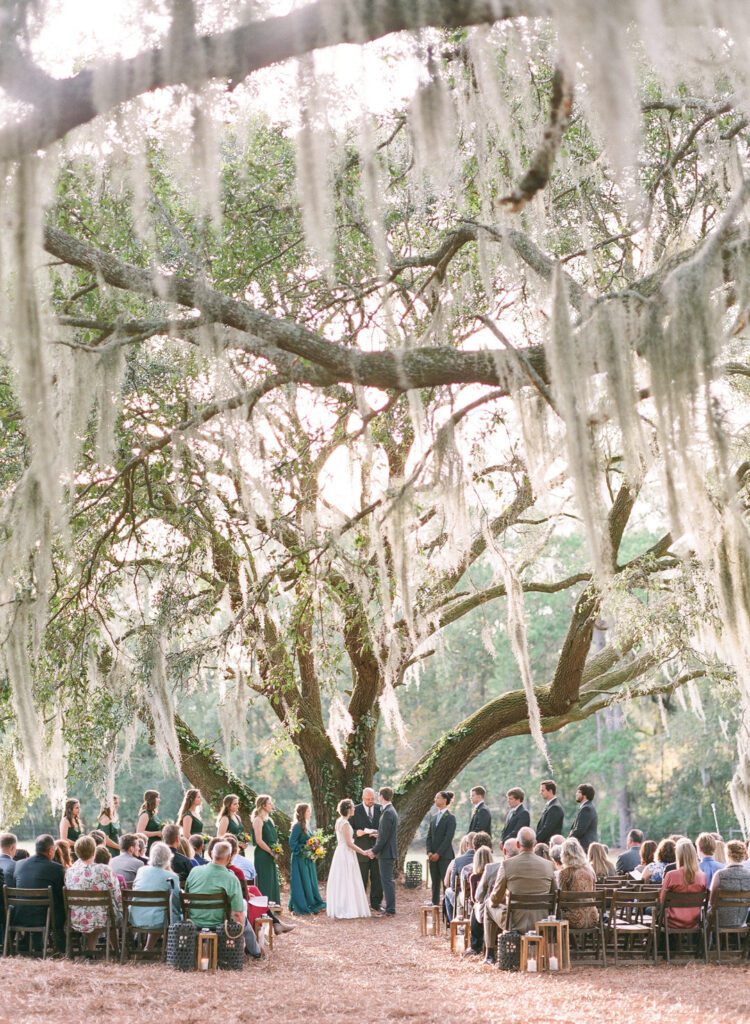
[(482, 858), (720, 853), (214, 878), (453, 874), (126, 863), (141, 845), (630, 860), (542, 850), (156, 876), (41, 872), (577, 875), (686, 877), (181, 865), (21, 854), (601, 864), (556, 841), (648, 854), (71, 826), (148, 822), (249, 891), (663, 858), (109, 824), (525, 875), (98, 836), (707, 862), (555, 855), (735, 877), (8, 848), (188, 816), (197, 845), (64, 853), (481, 896), (86, 875)]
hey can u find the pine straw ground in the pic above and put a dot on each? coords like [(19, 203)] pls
[(374, 971)]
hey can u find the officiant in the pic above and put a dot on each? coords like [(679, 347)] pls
[(365, 821)]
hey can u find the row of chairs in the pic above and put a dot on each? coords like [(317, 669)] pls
[(631, 920), (129, 940)]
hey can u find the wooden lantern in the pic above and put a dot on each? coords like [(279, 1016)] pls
[(532, 953), (206, 951), (264, 930), (430, 923), (460, 935), (557, 944)]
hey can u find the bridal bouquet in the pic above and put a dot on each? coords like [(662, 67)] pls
[(315, 848)]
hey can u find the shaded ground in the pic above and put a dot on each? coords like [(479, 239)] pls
[(373, 971)]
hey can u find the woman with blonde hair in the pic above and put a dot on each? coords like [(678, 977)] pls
[(686, 877), (89, 876), (482, 857), (578, 875), (600, 863), (267, 849)]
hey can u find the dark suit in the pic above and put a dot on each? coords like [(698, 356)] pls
[(370, 868), (386, 850), (181, 866), (628, 861), (551, 822), (517, 819), (481, 819), (585, 826), (39, 873), (440, 841)]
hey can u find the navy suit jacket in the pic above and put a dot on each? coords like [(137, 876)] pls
[(586, 825), (440, 837), (386, 846), (39, 873), (481, 819), (551, 822), (518, 818)]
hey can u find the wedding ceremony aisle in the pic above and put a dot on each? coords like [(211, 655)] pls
[(376, 971)]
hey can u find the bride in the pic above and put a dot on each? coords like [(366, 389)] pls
[(345, 892)]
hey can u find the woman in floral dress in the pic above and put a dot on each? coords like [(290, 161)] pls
[(86, 875)]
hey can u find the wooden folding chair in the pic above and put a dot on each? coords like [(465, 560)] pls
[(568, 902), (633, 918), (205, 901), (738, 902), (543, 905), (130, 933), (89, 899), (692, 900), (24, 899)]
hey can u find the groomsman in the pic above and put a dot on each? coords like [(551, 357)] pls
[(551, 822), (585, 826), (367, 816), (481, 819), (440, 842), (518, 816)]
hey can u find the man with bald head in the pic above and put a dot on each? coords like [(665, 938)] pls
[(365, 821), (524, 874)]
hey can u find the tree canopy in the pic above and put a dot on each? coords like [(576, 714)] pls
[(289, 388)]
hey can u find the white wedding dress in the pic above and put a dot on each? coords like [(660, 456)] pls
[(345, 892)]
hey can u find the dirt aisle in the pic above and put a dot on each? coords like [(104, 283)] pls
[(378, 970)]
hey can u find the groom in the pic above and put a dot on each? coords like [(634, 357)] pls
[(386, 848)]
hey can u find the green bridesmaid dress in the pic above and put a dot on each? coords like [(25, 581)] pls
[(267, 874)]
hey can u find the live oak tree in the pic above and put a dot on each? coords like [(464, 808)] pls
[(292, 418)]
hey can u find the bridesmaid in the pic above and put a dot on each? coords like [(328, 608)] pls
[(229, 820), (187, 817), (305, 895), (70, 824), (148, 822), (266, 839), (110, 825)]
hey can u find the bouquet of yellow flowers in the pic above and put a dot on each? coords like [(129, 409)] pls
[(277, 849), (315, 847)]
